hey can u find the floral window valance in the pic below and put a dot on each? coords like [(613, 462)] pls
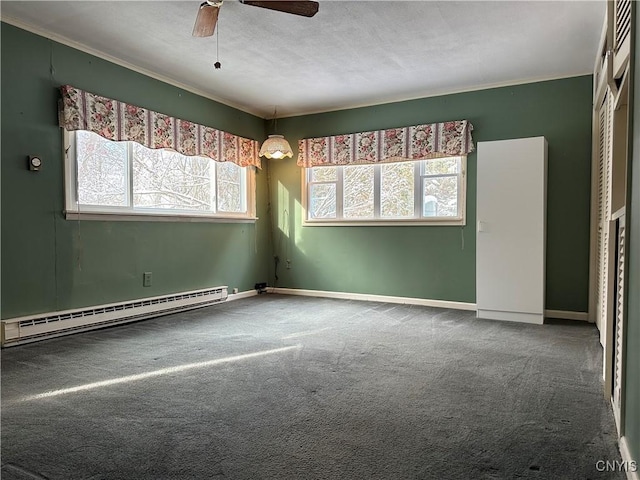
[(119, 121), (419, 142)]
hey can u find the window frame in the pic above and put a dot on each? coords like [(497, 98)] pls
[(417, 220), (75, 211)]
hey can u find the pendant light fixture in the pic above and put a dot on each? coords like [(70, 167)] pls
[(276, 146)]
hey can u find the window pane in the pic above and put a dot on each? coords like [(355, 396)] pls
[(168, 180), (387, 191), (397, 190), (231, 187), (441, 166), (440, 197), (358, 192), (322, 200), (102, 170), (324, 174)]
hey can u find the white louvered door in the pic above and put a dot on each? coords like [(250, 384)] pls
[(605, 162), (622, 20), (611, 158), (618, 338)]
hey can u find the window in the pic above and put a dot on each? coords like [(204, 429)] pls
[(424, 192), (126, 178)]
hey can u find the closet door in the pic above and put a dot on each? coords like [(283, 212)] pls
[(618, 373), (603, 259), (511, 214)]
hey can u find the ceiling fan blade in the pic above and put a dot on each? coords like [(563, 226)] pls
[(206, 20), (304, 8)]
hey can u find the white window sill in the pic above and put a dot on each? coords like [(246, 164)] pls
[(385, 223), (155, 217)]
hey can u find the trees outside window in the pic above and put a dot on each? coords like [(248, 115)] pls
[(424, 191), (126, 177)]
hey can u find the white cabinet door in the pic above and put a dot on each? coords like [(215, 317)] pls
[(511, 219)]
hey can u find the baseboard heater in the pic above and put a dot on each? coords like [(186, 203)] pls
[(15, 331)]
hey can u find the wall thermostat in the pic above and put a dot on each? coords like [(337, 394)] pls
[(34, 163)]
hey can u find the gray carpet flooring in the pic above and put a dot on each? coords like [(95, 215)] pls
[(281, 387)]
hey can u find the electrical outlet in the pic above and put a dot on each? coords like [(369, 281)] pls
[(288, 264), (235, 290), (147, 278)]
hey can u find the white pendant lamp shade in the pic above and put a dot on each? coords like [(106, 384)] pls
[(276, 146)]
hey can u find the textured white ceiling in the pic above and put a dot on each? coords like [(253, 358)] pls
[(351, 53)]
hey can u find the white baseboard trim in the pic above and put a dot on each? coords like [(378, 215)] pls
[(535, 318), (367, 297), (237, 296), (628, 461), (567, 315), (375, 298)]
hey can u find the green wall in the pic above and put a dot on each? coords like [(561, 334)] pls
[(439, 262), (49, 263), (632, 364)]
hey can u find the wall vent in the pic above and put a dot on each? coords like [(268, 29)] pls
[(20, 330)]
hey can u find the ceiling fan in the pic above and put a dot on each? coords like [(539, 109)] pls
[(209, 10)]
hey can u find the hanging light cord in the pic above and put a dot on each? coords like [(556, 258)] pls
[(217, 65)]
